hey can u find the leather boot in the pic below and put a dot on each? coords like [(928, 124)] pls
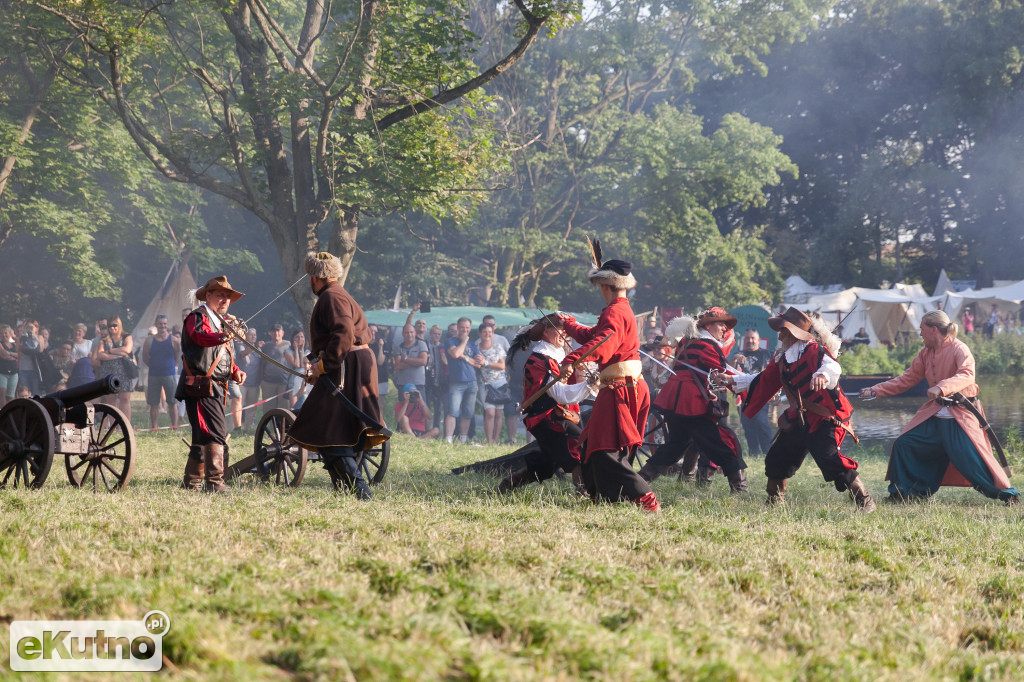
[(577, 481), (650, 472), (859, 493), (705, 476), (213, 455), (515, 480), (194, 469), (776, 491), (688, 472), (346, 476), (738, 482), (648, 502)]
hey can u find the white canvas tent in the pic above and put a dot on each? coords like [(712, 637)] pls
[(1007, 299), (169, 300), (885, 314)]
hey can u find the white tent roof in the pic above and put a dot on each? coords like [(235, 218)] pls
[(943, 284), (1007, 299), (886, 314)]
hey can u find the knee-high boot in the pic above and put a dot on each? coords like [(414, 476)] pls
[(213, 455), (194, 469), (776, 491), (738, 481), (859, 493)]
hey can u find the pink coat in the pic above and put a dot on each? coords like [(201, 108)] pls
[(951, 368)]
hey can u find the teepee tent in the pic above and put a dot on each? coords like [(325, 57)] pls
[(169, 300)]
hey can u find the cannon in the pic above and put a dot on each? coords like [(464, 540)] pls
[(97, 441), (278, 459)]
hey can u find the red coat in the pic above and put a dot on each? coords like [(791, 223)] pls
[(538, 372), (797, 377), (682, 395), (620, 411)]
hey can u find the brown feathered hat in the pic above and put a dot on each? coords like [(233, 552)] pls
[(217, 284), (798, 324), (539, 326), (715, 314)]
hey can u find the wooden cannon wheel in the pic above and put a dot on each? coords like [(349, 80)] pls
[(374, 462), (656, 434), (276, 457), (26, 444), (110, 461)]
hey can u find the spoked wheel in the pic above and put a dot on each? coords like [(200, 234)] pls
[(110, 462), (656, 435), (26, 444), (374, 462), (278, 459)]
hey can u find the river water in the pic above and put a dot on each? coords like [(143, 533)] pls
[(880, 421)]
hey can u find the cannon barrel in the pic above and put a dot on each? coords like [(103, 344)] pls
[(81, 394)]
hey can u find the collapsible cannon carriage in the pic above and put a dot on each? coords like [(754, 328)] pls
[(97, 441), (277, 459)]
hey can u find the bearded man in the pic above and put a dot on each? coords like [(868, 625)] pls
[(208, 359)]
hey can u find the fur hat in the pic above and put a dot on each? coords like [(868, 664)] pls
[(715, 314), (323, 265), (538, 327), (217, 284), (684, 327), (617, 274)]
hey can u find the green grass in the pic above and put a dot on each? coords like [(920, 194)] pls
[(439, 578)]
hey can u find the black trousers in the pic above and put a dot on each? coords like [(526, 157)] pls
[(710, 438), (609, 475), (206, 415), (787, 454), (554, 449)]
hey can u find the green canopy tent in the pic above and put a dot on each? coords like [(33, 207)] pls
[(446, 315)]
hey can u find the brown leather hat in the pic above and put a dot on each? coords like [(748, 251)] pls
[(539, 326), (715, 314), (798, 324), (218, 284)]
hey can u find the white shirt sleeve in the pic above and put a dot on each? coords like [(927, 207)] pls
[(570, 394), (742, 380), (831, 370)]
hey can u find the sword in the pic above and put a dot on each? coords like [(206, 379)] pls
[(351, 407), (656, 361), (254, 349), (959, 400)]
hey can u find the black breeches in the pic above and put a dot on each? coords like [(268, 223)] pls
[(715, 441), (787, 454), (554, 449), (609, 475)]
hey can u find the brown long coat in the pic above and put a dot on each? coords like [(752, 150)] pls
[(338, 333)]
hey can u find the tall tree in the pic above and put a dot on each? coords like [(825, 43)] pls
[(903, 117), (306, 114), (608, 145)]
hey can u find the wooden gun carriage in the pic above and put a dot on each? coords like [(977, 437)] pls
[(277, 459), (97, 441)]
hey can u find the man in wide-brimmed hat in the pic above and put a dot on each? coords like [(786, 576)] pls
[(338, 338), (209, 359), (818, 417), (617, 423), (553, 419), (693, 413)]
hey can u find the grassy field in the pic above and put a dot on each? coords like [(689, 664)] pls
[(439, 578)]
